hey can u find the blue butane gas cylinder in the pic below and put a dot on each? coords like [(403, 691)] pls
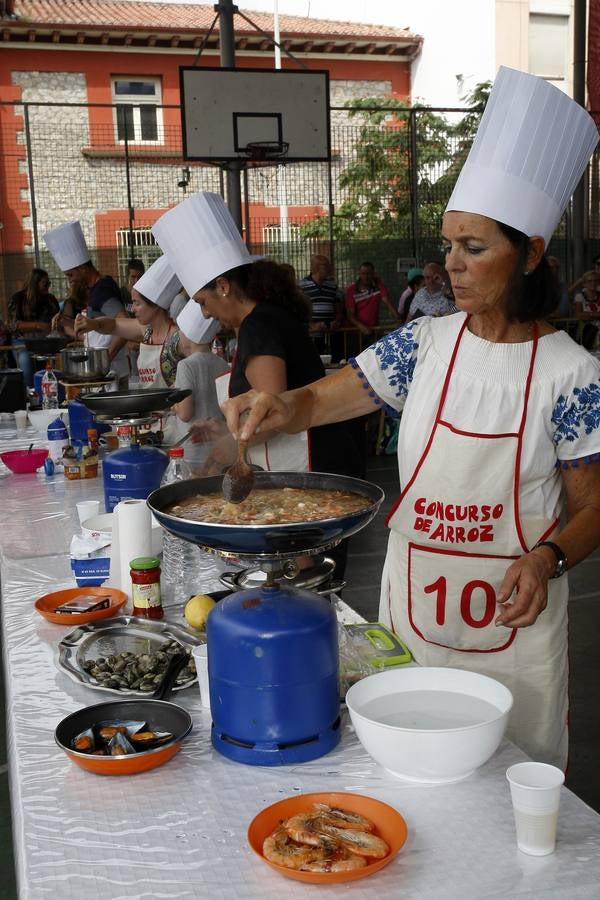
[(273, 673), (80, 419), (131, 473)]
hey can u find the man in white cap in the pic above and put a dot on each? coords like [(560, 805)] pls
[(499, 413), (67, 245)]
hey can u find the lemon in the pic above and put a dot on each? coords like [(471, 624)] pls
[(197, 609)]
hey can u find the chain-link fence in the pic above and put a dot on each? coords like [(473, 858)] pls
[(116, 169)]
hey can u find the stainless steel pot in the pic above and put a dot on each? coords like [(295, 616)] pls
[(84, 362)]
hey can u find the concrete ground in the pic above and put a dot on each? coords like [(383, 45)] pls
[(367, 552)]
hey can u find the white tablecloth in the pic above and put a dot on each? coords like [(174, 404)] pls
[(180, 831)]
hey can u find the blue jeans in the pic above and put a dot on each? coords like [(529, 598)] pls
[(24, 362)]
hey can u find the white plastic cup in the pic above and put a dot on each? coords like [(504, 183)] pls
[(200, 655), (21, 419), (535, 794), (87, 508)]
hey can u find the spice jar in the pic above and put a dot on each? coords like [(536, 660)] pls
[(145, 587), (92, 435)]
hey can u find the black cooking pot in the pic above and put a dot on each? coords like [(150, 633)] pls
[(124, 404), (46, 346), (267, 540)]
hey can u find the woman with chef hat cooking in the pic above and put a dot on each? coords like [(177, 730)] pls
[(500, 432), (162, 343), (258, 300)]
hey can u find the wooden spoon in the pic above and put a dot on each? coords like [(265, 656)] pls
[(238, 480)]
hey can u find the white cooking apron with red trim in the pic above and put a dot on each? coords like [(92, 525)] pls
[(455, 530), (151, 377), (282, 452)]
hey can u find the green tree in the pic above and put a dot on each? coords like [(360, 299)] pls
[(462, 135), (377, 183)]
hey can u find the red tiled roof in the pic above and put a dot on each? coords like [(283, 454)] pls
[(178, 18)]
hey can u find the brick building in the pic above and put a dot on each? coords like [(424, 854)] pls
[(106, 65)]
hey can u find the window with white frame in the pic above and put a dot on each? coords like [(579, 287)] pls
[(137, 113), (548, 46), (273, 234)]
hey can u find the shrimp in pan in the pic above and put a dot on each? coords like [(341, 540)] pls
[(313, 828), (279, 848), (282, 850), (342, 818)]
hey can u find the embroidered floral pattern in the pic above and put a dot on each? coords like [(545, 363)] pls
[(397, 355), (576, 414)]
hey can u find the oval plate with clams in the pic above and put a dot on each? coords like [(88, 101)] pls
[(123, 642)]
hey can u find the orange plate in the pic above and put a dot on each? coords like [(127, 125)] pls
[(388, 822), (124, 765), (47, 604)]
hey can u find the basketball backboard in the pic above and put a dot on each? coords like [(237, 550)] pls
[(225, 110)]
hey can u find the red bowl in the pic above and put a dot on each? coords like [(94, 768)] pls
[(24, 461)]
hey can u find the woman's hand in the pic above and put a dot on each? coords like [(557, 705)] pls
[(523, 593), (56, 321), (266, 412), (205, 431), (82, 324), (223, 453)]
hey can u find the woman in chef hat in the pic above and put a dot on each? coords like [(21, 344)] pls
[(162, 343), (501, 421), (257, 300)]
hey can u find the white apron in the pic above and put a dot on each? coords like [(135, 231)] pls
[(282, 452), (455, 529), (151, 376)]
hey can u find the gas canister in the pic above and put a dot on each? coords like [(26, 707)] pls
[(131, 473)]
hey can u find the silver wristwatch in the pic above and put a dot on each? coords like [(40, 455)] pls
[(561, 558)]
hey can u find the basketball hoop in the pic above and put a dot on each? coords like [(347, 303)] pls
[(265, 151)]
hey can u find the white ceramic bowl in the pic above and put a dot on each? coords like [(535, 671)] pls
[(429, 724), (41, 418)]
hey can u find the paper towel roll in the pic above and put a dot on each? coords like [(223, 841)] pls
[(131, 537)]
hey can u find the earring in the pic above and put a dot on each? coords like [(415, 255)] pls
[(526, 272)]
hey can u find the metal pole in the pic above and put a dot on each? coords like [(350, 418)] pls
[(284, 231), (579, 197), (32, 206), (226, 10), (414, 184), (130, 210)]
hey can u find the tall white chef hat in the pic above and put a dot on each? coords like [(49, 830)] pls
[(159, 283), (195, 327), (201, 240), (531, 148), (67, 245)]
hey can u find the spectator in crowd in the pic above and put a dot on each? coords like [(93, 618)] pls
[(31, 311), (415, 281), (586, 294), (135, 270), (432, 299), (364, 298), (564, 307), (327, 306), (67, 245)]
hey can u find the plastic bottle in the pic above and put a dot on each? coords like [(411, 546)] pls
[(49, 388), (58, 439), (180, 558)]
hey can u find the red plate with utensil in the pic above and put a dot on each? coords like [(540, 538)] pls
[(47, 605), (388, 822)]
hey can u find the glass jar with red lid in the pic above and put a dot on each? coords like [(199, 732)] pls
[(145, 587)]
